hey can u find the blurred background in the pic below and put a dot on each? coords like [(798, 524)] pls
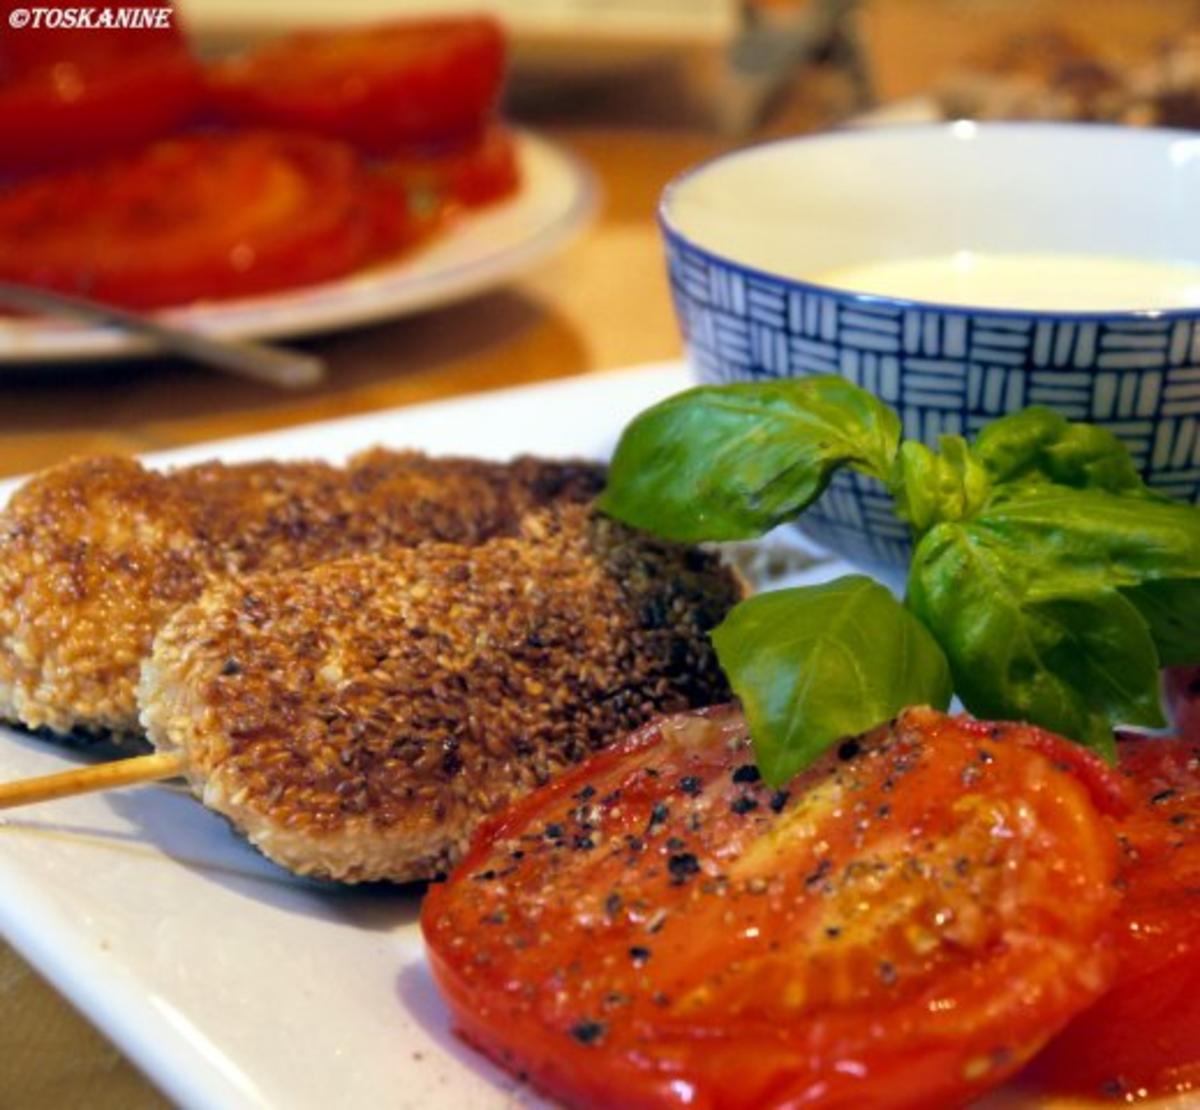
[(635, 91)]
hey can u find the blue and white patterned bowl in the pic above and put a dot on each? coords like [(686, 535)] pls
[(854, 196)]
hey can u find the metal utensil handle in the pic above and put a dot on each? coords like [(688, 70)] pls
[(255, 361)]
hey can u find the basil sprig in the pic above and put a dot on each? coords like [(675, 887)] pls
[(732, 462), (1048, 583), (813, 665)]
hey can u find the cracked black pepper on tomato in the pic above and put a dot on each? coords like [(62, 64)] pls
[(904, 924)]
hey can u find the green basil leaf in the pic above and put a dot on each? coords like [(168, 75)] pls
[(1077, 663), (930, 487), (1096, 538), (731, 462), (1171, 608), (1037, 446), (815, 664)]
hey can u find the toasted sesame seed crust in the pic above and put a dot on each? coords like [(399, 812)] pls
[(357, 720), (95, 554)]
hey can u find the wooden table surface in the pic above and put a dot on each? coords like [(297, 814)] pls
[(602, 303)]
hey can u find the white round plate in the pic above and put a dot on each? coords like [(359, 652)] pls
[(485, 248)]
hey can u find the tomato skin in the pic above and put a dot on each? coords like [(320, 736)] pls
[(43, 129), (69, 96), (904, 928), (30, 48), (398, 225), (1143, 1036), (483, 171), (418, 194), (204, 216), (382, 88)]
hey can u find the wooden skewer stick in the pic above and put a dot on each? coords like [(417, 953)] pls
[(85, 780)]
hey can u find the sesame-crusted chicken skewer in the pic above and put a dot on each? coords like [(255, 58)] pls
[(97, 553), (357, 720)]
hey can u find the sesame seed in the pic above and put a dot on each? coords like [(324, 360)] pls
[(432, 723)]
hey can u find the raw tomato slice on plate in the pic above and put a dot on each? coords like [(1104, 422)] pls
[(381, 88), (903, 926), (198, 217), (419, 193), (1143, 1036), (483, 171), (70, 95), (52, 39)]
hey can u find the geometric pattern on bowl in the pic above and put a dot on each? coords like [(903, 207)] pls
[(945, 370)]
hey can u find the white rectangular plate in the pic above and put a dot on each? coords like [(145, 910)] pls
[(232, 984)]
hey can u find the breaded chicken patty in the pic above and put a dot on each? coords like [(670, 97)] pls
[(358, 719), (97, 553)]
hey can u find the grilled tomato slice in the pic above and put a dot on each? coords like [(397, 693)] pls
[(903, 925), (204, 216), (1143, 1036), (70, 95), (381, 88)]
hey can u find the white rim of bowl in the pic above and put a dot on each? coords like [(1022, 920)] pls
[(673, 233)]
